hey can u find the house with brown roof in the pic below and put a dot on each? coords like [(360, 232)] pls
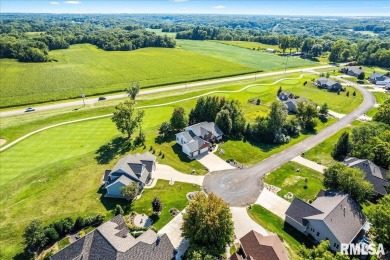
[(113, 241), (258, 247), (134, 168), (333, 216)]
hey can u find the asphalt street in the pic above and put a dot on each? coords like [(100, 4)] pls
[(243, 187)]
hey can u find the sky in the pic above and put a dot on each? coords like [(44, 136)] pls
[(260, 7)]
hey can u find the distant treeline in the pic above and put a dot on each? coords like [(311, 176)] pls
[(34, 47)]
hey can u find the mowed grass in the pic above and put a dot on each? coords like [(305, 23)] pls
[(322, 153), (258, 60), (291, 238), (85, 68), (289, 180), (251, 45), (171, 197)]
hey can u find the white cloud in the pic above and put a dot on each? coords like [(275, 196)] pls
[(219, 7), (179, 1), (72, 2), (54, 3)]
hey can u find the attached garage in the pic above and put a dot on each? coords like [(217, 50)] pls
[(195, 153), (204, 150)]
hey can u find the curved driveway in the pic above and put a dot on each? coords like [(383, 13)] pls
[(243, 187)]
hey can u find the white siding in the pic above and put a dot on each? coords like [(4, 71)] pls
[(295, 224), (204, 150)]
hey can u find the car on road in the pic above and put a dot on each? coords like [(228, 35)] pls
[(29, 109), (101, 98)]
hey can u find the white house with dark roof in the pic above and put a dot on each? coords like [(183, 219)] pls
[(113, 241), (378, 79), (131, 168), (374, 174), (333, 216), (329, 84), (292, 104), (196, 139)]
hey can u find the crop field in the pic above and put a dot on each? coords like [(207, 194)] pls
[(86, 68), (255, 59), (251, 45)]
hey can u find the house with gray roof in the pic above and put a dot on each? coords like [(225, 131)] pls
[(352, 71), (113, 241), (333, 216), (292, 104), (132, 168), (375, 76), (284, 95), (329, 84), (196, 139), (374, 174)]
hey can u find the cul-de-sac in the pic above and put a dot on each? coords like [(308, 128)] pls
[(195, 130)]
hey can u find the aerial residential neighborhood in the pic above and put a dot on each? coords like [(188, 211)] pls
[(195, 130)]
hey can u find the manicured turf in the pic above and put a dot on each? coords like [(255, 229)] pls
[(381, 97), (322, 153), (276, 225), (86, 68), (258, 60), (251, 45), (170, 196), (289, 180)]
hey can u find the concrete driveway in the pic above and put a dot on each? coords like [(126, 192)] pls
[(213, 162), (172, 229), (313, 165), (165, 172), (243, 223), (273, 203)]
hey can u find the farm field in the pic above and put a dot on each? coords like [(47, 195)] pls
[(251, 45), (289, 180), (86, 68), (254, 59)]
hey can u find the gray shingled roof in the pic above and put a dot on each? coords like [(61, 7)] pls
[(355, 70), (374, 174), (341, 214), (294, 101), (300, 209), (326, 81), (375, 75), (195, 144), (200, 129), (112, 240), (131, 166)]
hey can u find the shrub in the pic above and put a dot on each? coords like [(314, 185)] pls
[(51, 234), (118, 210), (79, 223)]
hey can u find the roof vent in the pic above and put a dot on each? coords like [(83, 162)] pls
[(344, 210), (158, 240)]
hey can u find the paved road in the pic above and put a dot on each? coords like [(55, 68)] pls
[(243, 187), (91, 101)]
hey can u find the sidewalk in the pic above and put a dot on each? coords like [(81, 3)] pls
[(313, 165)]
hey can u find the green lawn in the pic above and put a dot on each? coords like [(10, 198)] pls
[(289, 180), (170, 196), (258, 60), (85, 67), (322, 153), (381, 97), (251, 45), (291, 238)]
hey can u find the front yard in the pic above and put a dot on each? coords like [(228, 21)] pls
[(171, 197), (289, 180)]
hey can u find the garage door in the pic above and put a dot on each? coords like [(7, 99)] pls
[(204, 150), (195, 153)]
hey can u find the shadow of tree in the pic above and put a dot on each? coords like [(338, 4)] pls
[(178, 151), (164, 139), (117, 146)]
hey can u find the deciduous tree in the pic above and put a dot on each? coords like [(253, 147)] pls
[(126, 118), (379, 216), (130, 191), (34, 235), (208, 223), (133, 90)]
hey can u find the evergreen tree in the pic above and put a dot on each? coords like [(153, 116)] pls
[(157, 205), (224, 122), (178, 119), (342, 147)]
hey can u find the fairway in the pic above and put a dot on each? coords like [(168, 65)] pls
[(85, 68), (259, 60)]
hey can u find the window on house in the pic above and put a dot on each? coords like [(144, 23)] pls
[(318, 234)]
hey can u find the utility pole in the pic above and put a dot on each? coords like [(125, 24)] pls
[(285, 69), (83, 97)]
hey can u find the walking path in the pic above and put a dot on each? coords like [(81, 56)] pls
[(310, 164), (165, 172), (93, 100), (273, 203), (243, 223), (141, 107)]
